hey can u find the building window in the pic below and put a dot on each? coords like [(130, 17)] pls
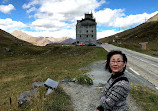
[(92, 35), (87, 35), (92, 30), (80, 35), (87, 31)]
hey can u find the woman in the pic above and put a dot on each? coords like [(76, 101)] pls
[(113, 97)]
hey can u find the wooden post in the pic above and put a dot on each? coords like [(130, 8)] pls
[(10, 101)]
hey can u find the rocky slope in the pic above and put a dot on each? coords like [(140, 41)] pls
[(41, 41), (153, 19)]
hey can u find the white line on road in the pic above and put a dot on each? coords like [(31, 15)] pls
[(141, 60), (155, 65), (134, 71)]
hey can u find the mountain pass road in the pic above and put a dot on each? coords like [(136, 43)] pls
[(141, 68)]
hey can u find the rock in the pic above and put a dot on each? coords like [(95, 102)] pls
[(51, 83), (156, 53), (7, 49), (25, 97), (49, 91), (37, 84)]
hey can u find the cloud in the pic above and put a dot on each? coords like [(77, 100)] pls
[(56, 34), (6, 8), (10, 25), (108, 16), (117, 18), (57, 17), (57, 14), (31, 10), (69, 7), (106, 33), (132, 20), (32, 3), (48, 24)]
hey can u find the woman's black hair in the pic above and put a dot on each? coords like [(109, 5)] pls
[(110, 54)]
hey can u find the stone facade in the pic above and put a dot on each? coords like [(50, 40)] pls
[(86, 31)]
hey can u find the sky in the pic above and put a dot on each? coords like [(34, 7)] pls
[(58, 18)]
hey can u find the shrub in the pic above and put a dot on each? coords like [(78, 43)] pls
[(84, 79)]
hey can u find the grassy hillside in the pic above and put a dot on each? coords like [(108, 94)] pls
[(146, 32), (11, 46), (23, 63), (26, 63)]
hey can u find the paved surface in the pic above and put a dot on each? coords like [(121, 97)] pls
[(142, 69), (86, 98)]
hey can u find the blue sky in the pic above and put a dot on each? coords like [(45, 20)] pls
[(57, 18)]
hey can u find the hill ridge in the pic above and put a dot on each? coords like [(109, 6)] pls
[(41, 41)]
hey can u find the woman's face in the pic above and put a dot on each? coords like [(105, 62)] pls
[(116, 63)]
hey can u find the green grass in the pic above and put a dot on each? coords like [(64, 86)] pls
[(145, 97), (19, 71), (146, 32), (151, 49), (84, 79), (58, 100)]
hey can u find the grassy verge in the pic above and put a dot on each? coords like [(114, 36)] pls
[(145, 97), (17, 73), (151, 48)]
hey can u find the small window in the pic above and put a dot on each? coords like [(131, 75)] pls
[(80, 35), (87, 35), (87, 31), (92, 30), (92, 35)]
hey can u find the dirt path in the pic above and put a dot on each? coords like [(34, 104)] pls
[(86, 98)]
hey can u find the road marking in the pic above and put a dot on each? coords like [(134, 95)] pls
[(134, 71), (142, 60), (126, 50), (156, 88)]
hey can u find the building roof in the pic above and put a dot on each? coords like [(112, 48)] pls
[(88, 20)]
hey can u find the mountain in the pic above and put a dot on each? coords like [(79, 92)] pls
[(40, 41), (153, 19), (146, 32), (69, 41), (57, 40), (21, 35), (10, 46)]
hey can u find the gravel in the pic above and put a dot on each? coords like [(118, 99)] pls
[(86, 98)]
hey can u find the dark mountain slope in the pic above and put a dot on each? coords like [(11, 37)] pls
[(146, 32), (11, 46)]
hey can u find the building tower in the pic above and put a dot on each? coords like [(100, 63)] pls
[(86, 31)]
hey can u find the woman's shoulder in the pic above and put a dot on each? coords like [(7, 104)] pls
[(123, 84)]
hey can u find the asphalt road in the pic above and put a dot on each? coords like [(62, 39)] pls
[(141, 69)]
